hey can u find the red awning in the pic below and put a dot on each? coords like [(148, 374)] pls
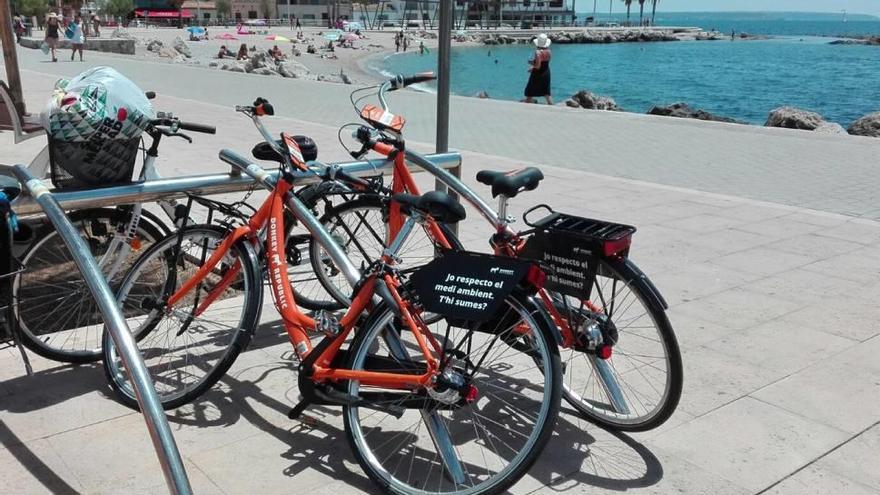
[(161, 13)]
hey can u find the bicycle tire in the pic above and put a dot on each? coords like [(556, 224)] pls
[(366, 449), (334, 284), (158, 349), (621, 361), (37, 298)]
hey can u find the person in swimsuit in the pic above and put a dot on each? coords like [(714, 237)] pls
[(539, 72)]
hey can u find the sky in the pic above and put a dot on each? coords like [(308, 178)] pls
[(853, 6)]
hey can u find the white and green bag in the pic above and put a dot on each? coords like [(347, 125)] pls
[(94, 122)]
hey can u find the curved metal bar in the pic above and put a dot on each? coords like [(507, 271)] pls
[(148, 400)]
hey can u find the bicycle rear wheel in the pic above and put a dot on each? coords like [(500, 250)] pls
[(186, 351), (58, 317), (639, 386), (479, 436)]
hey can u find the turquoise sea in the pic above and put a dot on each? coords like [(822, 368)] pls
[(739, 79)]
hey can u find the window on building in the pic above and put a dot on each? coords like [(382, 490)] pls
[(252, 14), (206, 15), (238, 16), (324, 16), (527, 3), (556, 4)]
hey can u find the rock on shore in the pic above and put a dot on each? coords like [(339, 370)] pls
[(869, 125), (181, 47), (871, 40), (794, 118), (684, 111), (591, 101)]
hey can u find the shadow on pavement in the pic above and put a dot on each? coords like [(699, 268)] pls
[(30, 461)]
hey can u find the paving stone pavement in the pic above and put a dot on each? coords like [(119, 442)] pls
[(773, 305)]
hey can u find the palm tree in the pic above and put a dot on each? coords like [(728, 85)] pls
[(641, 11), (653, 10), (628, 4)]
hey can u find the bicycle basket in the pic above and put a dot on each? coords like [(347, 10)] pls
[(93, 163)]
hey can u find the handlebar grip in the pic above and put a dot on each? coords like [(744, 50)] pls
[(150, 94), (190, 126), (419, 78)]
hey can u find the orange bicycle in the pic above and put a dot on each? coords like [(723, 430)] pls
[(462, 404), (621, 362)]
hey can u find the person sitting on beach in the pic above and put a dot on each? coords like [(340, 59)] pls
[(225, 52), (242, 52), (539, 72), (276, 54)]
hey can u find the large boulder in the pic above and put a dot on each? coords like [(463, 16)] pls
[(589, 100), (482, 94), (259, 60), (181, 47), (121, 33), (869, 125), (233, 67), (830, 128), (684, 111), (794, 118), (293, 69), (154, 45), (265, 71), (166, 52)]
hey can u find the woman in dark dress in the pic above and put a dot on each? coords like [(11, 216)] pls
[(539, 72)]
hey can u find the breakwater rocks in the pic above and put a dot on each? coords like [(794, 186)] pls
[(261, 64), (870, 40), (596, 36), (684, 111), (796, 118), (869, 125), (590, 101), (784, 117)]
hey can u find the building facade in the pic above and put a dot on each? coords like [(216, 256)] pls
[(254, 9), (314, 12)]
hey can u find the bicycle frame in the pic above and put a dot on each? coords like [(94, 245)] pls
[(269, 219)]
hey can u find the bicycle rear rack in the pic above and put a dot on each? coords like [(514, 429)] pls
[(599, 236)]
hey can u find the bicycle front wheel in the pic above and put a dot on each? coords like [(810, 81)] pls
[(187, 348), (58, 316), (479, 436), (639, 385)]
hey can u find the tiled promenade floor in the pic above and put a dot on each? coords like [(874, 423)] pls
[(774, 306)]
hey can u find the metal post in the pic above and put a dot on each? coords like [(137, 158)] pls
[(10, 56), (148, 400)]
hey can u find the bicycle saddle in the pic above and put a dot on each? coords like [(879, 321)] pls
[(511, 183), (263, 151), (439, 205), (10, 186)]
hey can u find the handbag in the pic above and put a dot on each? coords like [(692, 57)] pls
[(69, 32)]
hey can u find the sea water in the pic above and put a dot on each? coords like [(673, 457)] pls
[(738, 79)]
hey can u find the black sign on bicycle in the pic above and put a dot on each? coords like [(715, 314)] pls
[(468, 286), (570, 267)]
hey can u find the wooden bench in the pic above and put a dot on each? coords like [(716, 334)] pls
[(23, 125)]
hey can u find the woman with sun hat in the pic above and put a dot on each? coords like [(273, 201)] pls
[(539, 71)]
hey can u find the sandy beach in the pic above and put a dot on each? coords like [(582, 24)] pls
[(354, 61)]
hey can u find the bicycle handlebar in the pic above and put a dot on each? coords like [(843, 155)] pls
[(191, 126), (405, 81)]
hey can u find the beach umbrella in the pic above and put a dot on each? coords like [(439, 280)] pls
[(350, 37), (225, 36), (276, 37), (196, 30), (332, 34)]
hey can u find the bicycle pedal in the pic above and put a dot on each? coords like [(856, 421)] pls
[(297, 410)]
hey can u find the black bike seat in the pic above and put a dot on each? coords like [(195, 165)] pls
[(10, 186), (511, 183), (264, 151), (440, 206)]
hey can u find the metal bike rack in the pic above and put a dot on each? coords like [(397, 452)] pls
[(148, 400), (179, 187)]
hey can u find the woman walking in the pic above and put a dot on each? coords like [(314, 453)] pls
[(539, 72), (77, 37), (51, 38)]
